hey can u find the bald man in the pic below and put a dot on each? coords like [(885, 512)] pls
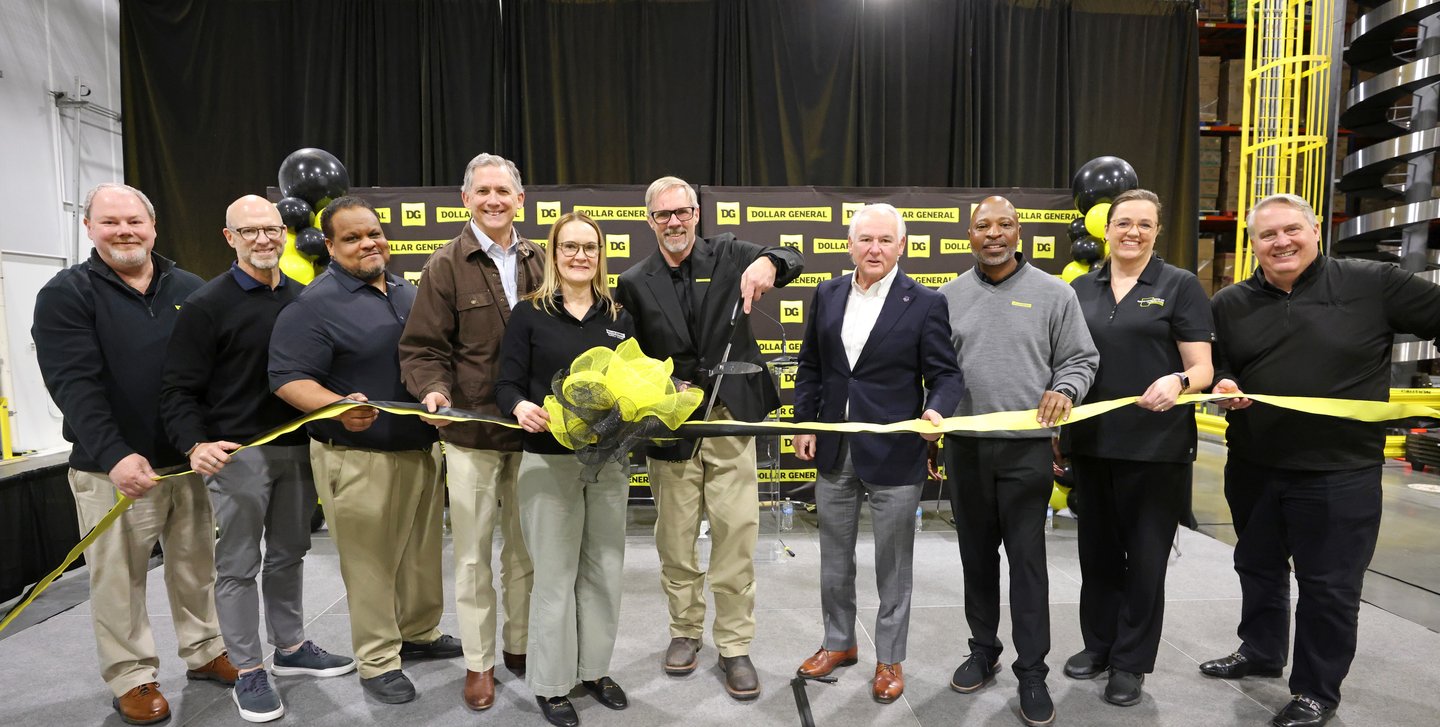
[(1022, 343), (216, 396)]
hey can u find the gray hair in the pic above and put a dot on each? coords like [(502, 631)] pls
[(90, 197), (665, 184), (491, 160), (1289, 200), (878, 207)]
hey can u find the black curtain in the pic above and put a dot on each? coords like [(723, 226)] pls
[(982, 93)]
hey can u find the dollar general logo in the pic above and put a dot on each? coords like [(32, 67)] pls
[(452, 214), (382, 214), (772, 347), (792, 311), (612, 280), (787, 378), (1042, 247), (787, 411), (617, 245), (787, 444), (934, 280), (848, 210), (415, 247), (829, 244), (952, 246), (918, 246), (546, 213), (412, 277), (794, 242), (787, 214), (787, 475), (809, 280), (412, 214), (930, 214), (1018, 304), (1152, 300), (727, 213), (602, 214)]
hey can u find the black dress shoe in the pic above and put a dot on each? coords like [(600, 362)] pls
[(607, 692), (1303, 711), (1124, 688), (559, 711), (1236, 666), (1086, 665), (444, 647)]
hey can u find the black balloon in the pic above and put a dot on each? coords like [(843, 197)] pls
[(1077, 229), (1100, 180), (295, 212), (310, 242), (313, 175), (1085, 250)]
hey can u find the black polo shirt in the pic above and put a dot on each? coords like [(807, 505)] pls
[(345, 335), (538, 344), (1137, 340)]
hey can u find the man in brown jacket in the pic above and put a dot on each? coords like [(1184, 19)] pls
[(450, 356)]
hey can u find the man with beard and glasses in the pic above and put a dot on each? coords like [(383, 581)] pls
[(100, 327), (215, 396), (377, 474), (1022, 342)]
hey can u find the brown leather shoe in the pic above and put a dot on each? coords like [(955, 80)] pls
[(479, 692), (142, 705), (218, 669), (889, 683), (823, 662), (681, 657), (514, 662)]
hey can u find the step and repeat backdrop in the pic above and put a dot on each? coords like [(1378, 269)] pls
[(813, 220)]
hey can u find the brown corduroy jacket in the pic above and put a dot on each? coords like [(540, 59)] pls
[(451, 343)]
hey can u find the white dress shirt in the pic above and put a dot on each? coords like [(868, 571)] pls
[(861, 311), (505, 258)]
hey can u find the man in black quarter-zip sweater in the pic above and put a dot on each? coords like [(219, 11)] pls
[(1300, 485), (101, 329)]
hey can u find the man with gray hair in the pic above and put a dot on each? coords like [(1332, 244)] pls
[(450, 356), (683, 299), (98, 328), (1306, 487), (876, 349)]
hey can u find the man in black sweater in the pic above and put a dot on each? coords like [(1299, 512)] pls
[(99, 327), (1299, 485), (215, 396)]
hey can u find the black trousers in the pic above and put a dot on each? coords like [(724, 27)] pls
[(1000, 490), (1127, 515), (1328, 523)]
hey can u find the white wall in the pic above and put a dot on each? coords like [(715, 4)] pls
[(48, 46)]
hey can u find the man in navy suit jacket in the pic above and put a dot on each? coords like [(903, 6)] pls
[(875, 342)]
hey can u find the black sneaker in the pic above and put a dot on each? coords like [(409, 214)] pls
[(392, 687), (311, 660), (1086, 665), (444, 647), (256, 700), (1036, 709), (977, 670), (1124, 688)]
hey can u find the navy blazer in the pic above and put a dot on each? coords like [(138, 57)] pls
[(908, 351)]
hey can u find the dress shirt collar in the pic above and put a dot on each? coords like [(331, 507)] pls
[(878, 289)]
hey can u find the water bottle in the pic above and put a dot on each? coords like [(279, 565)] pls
[(919, 518), (1049, 519), (787, 516)]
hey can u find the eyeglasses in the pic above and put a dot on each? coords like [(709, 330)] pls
[(249, 234), (1145, 227), (571, 249), (684, 214)]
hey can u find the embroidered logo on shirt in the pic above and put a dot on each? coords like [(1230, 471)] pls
[(615, 334), (1152, 300), (177, 307), (1018, 304)]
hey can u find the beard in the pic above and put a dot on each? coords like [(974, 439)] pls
[(998, 258), (126, 258), (676, 245), (367, 271), (263, 263)]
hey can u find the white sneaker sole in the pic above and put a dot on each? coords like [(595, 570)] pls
[(334, 671), (249, 716)]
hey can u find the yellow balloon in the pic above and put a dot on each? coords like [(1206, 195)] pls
[(298, 267), (1059, 497), (1095, 220), (1074, 270)]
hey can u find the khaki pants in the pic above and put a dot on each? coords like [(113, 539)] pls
[(177, 513), (481, 483), (721, 483), (576, 532), (384, 510)]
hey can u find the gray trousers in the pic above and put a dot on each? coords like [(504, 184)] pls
[(892, 513), (267, 492), (575, 533)]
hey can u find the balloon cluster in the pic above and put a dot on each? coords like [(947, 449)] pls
[(309, 179), (1095, 183)]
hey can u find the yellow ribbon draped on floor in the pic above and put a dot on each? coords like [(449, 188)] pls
[(1368, 411)]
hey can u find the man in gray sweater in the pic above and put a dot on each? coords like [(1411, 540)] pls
[(1022, 343)]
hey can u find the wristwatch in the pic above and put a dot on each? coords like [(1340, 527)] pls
[(1184, 381)]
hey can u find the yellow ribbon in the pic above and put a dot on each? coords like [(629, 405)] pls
[(1367, 411)]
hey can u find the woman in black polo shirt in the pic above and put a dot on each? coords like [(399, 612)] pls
[(1151, 322), (574, 530)]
